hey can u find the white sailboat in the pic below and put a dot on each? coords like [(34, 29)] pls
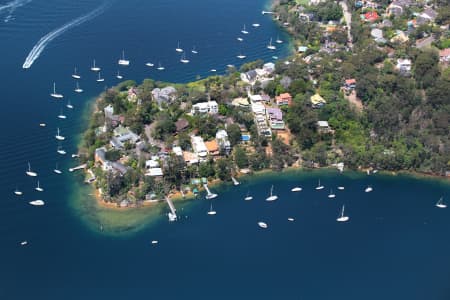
[(38, 187), (160, 67), (75, 74), (331, 194), (60, 150), (58, 136), (61, 115), (99, 78), (56, 170), (319, 186), (272, 197), (235, 182), (213, 70), (118, 76), (29, 172), (122, 61), (37, 202), (368, 189), (194, 51), (211, 212), (68, 105), (77, 88), (183, 58), (94, 68), (262, 225), (241, 56), (291, 219), (209, 194), (341, 188), (178, 49), (248, 197), (55, 94), (441, 203), (42, 124), (239, 39), (256, 25), (270, 46), (342, 217), (296, 189), (23, 243), (278, 41), (149, 64), (17, 192), (244, 31)]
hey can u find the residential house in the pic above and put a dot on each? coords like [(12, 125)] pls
[(212, 147), (284, 99), (302, 49), (190, 158), (427, 16), (223, 142), (377, 35), (177, 150), (152, 163), (404, 66), (397, 7), (122, 135), (199, 147), (306, 17), (132, 94), (210, 107), (269, 68), (240, 102), (444, 55), (275, 118), (399, 37), (164, 95), (181, 125), (323, 127), (371, 16), (154, 172), (249, 77), (350, 84), (109, 111), (100, 155), (317, 101), (117, 166)]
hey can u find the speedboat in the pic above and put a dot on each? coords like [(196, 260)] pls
[(23, 243), (262, 225), (37, 202), (368, 189), (296, 189)]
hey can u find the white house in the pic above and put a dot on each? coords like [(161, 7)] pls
[(199, 146), (205, 107)]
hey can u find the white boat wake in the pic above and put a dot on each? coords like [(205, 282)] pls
[(46, 39), (11, 8)]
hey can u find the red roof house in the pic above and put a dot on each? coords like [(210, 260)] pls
[(284, 99), (371, 16)]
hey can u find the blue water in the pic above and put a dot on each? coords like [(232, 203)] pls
[(394, 247)]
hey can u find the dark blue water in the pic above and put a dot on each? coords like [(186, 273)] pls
[(394, 247)]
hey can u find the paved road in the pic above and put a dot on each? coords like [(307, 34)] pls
[(348, 20)]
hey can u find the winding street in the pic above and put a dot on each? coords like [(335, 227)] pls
[(348, 20)]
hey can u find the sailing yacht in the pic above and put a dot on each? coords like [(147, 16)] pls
[(61, 115), (291, 219), (29, 172), (278, 41), (256, 25), (441, 203), (272, 197), (342, 217), (100, 79), (244, 31), (213, 70), (241, 56), (248, 197), (341, 188), (68, 105), (211, 212), (75, 74), (194, 51), (240, 39), (55, 94), (38, 188), (331, 194), (296, 189), (149, 64), (37, 202), (319, 187), (368, 189), (17, 192), (270, 46), (56, 170), (94, 68), (209, 194), (183, 59), (178, 49), (59, 137), (235, 182), (60, 150), (77, 88), (123, 61), (42, 124), (160, 67), (118, 76)]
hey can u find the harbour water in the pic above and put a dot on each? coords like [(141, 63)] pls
[(394, 246)]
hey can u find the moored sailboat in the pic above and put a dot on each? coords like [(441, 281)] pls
[(342, 217), (272, 197)]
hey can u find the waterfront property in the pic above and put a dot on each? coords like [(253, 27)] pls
[(210, 107)]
